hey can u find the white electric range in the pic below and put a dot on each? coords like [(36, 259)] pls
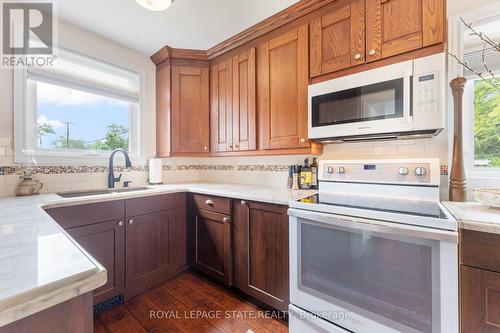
[(374, 251)]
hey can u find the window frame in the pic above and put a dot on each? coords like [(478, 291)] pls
[(456, 46), (81, 42)]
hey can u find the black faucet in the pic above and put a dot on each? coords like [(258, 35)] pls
[(111, 176)]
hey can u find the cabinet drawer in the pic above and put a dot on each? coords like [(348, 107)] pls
[(213, 204), (480, 249), (80, 215), (151, 204)]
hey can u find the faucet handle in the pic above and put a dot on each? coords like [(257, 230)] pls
[(127, 183), (118, 178)]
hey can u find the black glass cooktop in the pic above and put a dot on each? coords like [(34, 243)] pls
[(390, 205)]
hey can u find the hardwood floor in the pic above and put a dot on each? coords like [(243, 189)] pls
[(187, 303)]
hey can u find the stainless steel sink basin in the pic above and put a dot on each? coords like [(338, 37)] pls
[(78, 194)]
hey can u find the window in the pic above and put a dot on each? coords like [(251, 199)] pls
[(480, 64), (80, 107)]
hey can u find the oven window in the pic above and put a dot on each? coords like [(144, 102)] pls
[(374, 102), (393, 280)]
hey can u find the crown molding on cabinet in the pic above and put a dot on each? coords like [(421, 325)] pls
[(279, 19)]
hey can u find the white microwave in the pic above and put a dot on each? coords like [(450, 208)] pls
[(404, 100)]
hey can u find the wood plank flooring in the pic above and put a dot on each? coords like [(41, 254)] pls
[(187, 303)]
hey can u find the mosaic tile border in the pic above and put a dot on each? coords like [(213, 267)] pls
[(88, 169)]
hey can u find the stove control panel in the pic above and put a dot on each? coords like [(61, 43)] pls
[(425, 172)]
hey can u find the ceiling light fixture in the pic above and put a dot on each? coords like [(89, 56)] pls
[(155, 5)]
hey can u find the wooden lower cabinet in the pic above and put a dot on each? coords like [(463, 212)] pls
[(151, 243), (479, 282), (209, 231), (261, 263), (480, 300), (141, 242), (105, 242)]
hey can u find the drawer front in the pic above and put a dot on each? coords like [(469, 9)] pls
[(80, 215), (480, 249), (152, 204), (213, 204)]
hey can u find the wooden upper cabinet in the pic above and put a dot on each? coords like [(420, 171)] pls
[(244, 101), (232, 111), (338, 39), (398, 26), (221, 107), (190, 109), (283, 77)]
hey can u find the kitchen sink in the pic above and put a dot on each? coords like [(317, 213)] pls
[(77, 194)]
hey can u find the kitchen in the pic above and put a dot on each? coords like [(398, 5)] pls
[(153, 177)]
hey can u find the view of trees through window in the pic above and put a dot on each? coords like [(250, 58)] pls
[(73, 119), (486, 124)]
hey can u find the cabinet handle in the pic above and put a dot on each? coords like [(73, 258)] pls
[(372, 52), (302, 140), (209, 202), (120, 223), (243, 202), (357, 56), (131, 221), (225, 220)]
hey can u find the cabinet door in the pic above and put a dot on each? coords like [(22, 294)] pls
[(338, 39), (244, 99), (210, 244), (155, 247), (221, 107), (392, 27), (283, 74), (105, 242), (479, 301), (398, 26), (190, 109), (261, 252)]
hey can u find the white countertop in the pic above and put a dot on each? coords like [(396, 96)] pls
[(42, 266), (475, 216)]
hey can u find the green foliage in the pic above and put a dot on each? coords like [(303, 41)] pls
[(61, 143), (487, 122), (116, 137), (44, 129)]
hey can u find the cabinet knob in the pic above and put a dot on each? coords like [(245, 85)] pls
[(131, 221), (302, 140), (236, 146), (230, 146), (357, 56), (225, 220), (209, 202), (243, 202), (205, 148), (372, 52), (120, 223)]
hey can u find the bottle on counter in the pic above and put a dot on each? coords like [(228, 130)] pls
[(295, 178), (289, 181), (305, 176), (314, 174)]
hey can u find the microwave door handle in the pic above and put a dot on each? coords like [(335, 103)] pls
[(406, 99), (374, 225)]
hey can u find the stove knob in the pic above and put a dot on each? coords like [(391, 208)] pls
[(420, 171), (403, 171), (329, 170), (341, 170)]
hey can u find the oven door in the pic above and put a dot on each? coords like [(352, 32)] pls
[(372, 102), (371, 276)]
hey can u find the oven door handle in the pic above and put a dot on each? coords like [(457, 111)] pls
[(375, 225)]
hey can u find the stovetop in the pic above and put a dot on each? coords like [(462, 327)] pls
[(388, 205)]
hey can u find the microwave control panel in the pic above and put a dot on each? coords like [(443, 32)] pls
[(427, 93)]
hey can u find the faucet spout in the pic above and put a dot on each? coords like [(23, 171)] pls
[(111, 176)]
